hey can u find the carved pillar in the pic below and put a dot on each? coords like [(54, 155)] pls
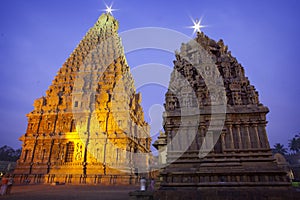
[(223, 145), (185, 142), (198, 139), (35, 143), (209, 140), (248, 140), (33, 153), (257, 136), (177, 145), (238, 128), (204, 143), (202, 137), (170, 140), (193, 138), (231, 136), (264, 134), (50, 154)]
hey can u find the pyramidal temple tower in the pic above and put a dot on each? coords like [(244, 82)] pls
[(223, 151), (90, 123)]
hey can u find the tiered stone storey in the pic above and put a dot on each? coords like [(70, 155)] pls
[(90, 123), (240, 162)]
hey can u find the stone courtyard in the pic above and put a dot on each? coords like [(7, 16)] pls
[(64, 192)]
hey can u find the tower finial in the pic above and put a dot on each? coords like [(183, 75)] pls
[(197, 25), (109, 9)]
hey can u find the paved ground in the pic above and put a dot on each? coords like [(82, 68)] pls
[(69, 192)]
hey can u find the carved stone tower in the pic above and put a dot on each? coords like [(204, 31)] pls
[(216, 158), (90, 123)]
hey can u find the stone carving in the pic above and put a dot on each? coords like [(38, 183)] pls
[(241, 156), (78, 154), (64, 115)]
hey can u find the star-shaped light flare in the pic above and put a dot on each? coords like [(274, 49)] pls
[(109, 9), (197, 25)]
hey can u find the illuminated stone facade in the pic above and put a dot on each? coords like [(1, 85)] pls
[(240, 164), (90, 123)]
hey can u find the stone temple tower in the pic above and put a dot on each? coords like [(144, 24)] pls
[(215, 130), (90, 123)]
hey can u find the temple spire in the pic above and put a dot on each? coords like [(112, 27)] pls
[(197, 25), (109, 9)]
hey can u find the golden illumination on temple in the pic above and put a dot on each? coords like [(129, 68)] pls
[(90, 123)]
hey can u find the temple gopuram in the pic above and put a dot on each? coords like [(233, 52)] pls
[(90, 123), (215, 136)]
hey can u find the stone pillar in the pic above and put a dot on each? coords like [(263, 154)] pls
[(50, 155), (248, 140), (231, 136), (175, 141), (170, 140), (202, 137), (264, 134), (257, 136), (194, 139), (223, 142), (238, 127), (189, 143), (209, 138), (198, 139)]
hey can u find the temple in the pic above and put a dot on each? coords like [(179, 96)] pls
[(215, 130), (90, 123)]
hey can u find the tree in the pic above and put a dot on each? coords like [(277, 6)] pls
[(279, 148), (294, 143), (9, 154)]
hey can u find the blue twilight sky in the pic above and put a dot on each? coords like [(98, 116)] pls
[(37, 36)]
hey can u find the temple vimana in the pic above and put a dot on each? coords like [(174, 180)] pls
[(206, 160), (90, 123)]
